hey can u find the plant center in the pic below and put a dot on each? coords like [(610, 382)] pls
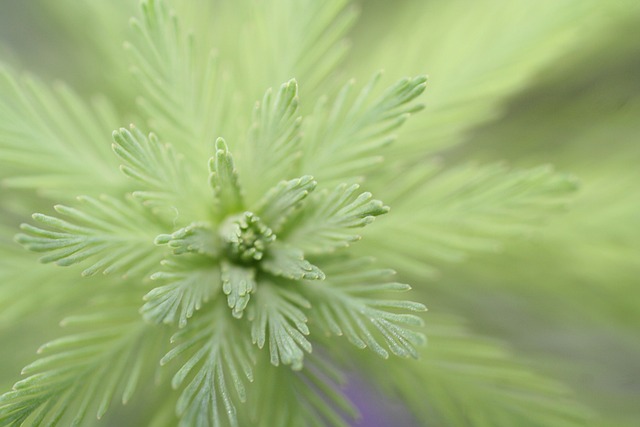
[(246, 238)]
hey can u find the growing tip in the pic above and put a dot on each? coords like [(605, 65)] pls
[(221, 145)]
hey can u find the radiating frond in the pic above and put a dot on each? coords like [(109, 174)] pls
[(189, 282), (84, 371), (247, 258), (196, 238), (468, 380), (289, 262), (315, 390), (164, 182), (51, 140), (113, 235), (283, 39), (277, 205), (223, 179), (220, 355), (278, 320), (321, 28), (348, 303), (343, 140), (476, 55), (185, 95), (442, 217), (328, 220), (238, 283), (274, 138)]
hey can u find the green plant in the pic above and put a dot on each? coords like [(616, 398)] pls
[(222, 243)]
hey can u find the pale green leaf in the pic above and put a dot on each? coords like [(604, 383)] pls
[(344, 140), (348, 303), (288, 262), (223, 179), (315, 389), (278, 320), (196, 238), (441, 217), (51, 139), (24, 282), (84, 371), (282, 39), (328, 219), (477, 55), (238, 283), (190, 282), (109, 234), (280, 201), (495, 387), (274, 138), (165, 181), (219, 364), (185, 94)]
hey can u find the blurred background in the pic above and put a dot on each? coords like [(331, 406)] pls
[(566, 298)]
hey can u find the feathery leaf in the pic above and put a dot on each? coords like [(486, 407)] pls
[(185, 94), (51, 139), (315, 389), (288, 262), (469, 380), (190, 282), (238, 283), (223, 179), (327, 221), (277, 317), (165, 180), (115, 235), (477, 55), (278, 204), (347, 304), (465, 209), (274, 138), (222, 361), (84, 371), (196, 238), (357, 129)]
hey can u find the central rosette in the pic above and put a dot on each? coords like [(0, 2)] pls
[(246, 238), (240, 240)]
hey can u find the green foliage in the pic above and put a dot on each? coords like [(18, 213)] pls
[(84, 371), (467, 209), (223, 179), (327, 224), (350, 305), (480, 54), (113, 232), (188, 286), (165, 183), (315, 388), (238, 283), (247, 259), (274, 136), (289, 262), (234, 243), (220, 362), (358, 127), (278, 316), (279, 202), (52, 136), (462, 371)]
